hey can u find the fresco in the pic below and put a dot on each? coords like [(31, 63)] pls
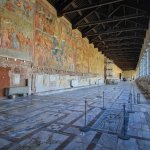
[(85, 61), (30, 30), (53, 42), (22, 8), (44, 19), (91, 60), (47, 49), (16, 37), (79, 50), (67, 42), (98, 62), (43, 46)]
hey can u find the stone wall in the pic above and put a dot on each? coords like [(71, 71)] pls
[(143, 67), (129, 75), (55, 82), (144, 83), (43, 50), (112, 72)]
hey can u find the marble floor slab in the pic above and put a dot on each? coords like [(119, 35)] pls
[(56, 121)]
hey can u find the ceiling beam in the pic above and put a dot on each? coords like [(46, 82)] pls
[(139, 6), (124, 48), (125, 62), (115, 31), (127, 37), (113, 46), (122, 59), (140, 24), (124, 51), (124, 44), (79, 19), (122, 54), (90, 7), (119, 38), (110, 20), (63, 6)]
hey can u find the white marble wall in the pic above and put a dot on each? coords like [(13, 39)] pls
[(45, 82)]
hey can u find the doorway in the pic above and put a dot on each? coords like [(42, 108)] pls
[(4, 80), (120, 75)]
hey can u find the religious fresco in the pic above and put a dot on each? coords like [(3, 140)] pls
[(47, 52), (91, 58), (96, 61), (100, 64), (79, 51), (22, 8), (43, 46), (30, 30), (67, 42), (54, 39), (16, 36), (85, 61), (44, 18)]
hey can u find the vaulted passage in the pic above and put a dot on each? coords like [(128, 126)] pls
[(74, 74)]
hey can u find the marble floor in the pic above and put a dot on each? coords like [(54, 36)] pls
[(56, 121)]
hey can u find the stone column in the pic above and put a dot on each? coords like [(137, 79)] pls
[(148, 61), (144, 64), (141, 68)]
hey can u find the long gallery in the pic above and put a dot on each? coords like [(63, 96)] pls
[(74, 75)]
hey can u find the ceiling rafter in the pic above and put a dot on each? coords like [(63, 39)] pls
[(115, 31), (119, 38), (124, 48), (63, 6), (111, 20), (129, 3), (90, 6), (126, 43)]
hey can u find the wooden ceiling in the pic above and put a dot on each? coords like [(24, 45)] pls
[(116, 27)]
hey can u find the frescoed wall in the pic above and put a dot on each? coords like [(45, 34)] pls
[(54, 46), (16, 23), (67, 45), (58, 56)]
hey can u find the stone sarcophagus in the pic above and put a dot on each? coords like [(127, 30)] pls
[(16, 91)]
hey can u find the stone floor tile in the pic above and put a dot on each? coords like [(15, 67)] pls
[(127, 144), (73, 130), (48, 121), (108, 141), (41, 141), (4, 142), (143, 145)]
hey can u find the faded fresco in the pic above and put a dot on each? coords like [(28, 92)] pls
[(100, 63), (91, 58), (79, 51), (67, 45), (53, 39), (30, 30), (44, 36), (16, 24), (85, 60)]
